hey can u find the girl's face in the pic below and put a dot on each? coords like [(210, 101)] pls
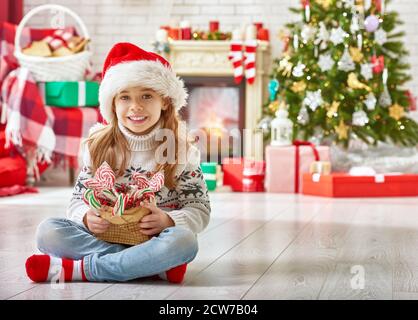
[(139, 109)]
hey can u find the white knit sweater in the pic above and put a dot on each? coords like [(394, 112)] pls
[(188, 204)]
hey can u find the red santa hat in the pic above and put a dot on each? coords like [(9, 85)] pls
[(127, 65)]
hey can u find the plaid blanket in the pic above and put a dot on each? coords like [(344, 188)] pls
[(43, 132), (49, 129)]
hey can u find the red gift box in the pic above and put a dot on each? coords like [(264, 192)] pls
[(244, 175), (345, 185)]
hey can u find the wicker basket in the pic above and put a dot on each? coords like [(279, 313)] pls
[(44, 69), (124, 229)]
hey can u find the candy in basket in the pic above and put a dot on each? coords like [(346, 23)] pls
[(121, 205)]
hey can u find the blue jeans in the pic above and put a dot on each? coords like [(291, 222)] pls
[(103, 261)]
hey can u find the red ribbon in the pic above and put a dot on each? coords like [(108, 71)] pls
[(297, 144)]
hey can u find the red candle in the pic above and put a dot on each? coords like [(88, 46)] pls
[(186, 33), (263, 34), (213, 26), (258, 25), (174, 33)]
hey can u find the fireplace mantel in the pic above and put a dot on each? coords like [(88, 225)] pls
[(210, 59)]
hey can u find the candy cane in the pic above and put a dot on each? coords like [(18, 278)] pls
[(94, 202), (119, 206), (105, 176), (139, 194), (157, 181), (92, 184), (140, 180), (109, 195), (86, 195)]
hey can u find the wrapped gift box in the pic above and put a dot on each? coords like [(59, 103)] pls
[(243, 175), (209, 170), (70, 94), (285, 165), (345, 185)]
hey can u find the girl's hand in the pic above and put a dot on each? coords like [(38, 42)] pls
[(94, 223), (156, 221)]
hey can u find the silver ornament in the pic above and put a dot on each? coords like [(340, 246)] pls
[(360, 41), (338, 35), (355, 25), (322, 37), (367, 71), (360, 118), (346, 63), (370, 101), (307, 13), (298, 70), (307, 33), (296, 42), (385, 100), (326, 62), (303, 116), (380, 37), (313, 99)]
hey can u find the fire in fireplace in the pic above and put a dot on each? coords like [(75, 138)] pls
[(215, 115)]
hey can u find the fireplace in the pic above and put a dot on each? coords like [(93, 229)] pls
[(218, 105)]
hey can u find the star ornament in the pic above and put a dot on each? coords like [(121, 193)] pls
[(396, 111), (338, 35), (313, 99), (342, 130), (298, 86), (367, 71), (274, 106), (325, 62)]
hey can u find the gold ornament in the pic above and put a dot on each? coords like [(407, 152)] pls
[(354, 83), (285, 66), (341, 130), (274, 106), (360, 6), (396, 111), (298, 86), (356, 54), (282, 105), (324, 3), (333, 109)]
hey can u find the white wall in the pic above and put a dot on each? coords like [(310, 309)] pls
[(137, 20)]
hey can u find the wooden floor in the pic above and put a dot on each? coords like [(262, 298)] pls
[(257, 246)]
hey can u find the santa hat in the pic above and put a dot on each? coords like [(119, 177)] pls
[(127, 65)]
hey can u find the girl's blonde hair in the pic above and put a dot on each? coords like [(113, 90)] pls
[(109, 144)]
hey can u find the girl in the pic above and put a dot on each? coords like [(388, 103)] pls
[(139, 96)]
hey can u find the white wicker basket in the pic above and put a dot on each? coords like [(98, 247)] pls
[(67, 68)]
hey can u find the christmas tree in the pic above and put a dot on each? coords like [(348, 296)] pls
[(342, 74)]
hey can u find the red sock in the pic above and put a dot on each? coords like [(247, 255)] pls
[(249, 61), (174, 275), (236, 56), (42, 267)]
